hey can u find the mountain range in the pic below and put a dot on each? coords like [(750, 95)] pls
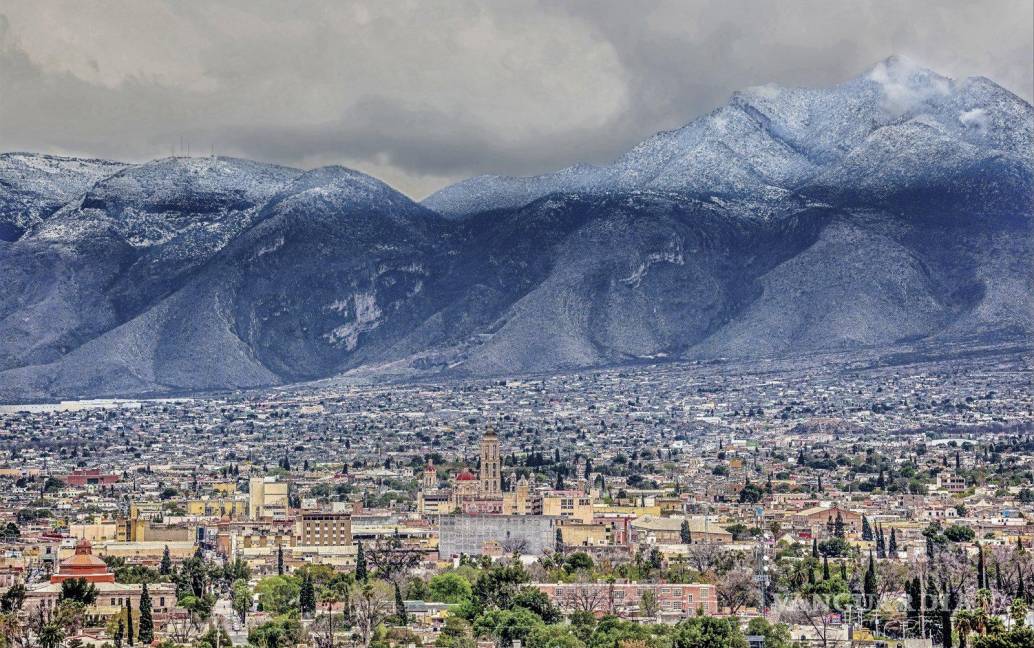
[(893, 209)]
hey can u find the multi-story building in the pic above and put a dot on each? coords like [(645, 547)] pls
[(267, 498), (674, 601), (316, 529)]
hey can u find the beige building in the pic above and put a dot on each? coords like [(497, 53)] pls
[(319, 529), (491, 475), (572, 505), (267, 498)]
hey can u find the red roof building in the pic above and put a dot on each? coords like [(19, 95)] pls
[(83, 565)]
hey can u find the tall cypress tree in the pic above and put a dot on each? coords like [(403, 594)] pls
[(165, 567), (360, 564), (685, 534), (893, 549), (279, 559), (146, 622), (825, 568), (307, 596), (981, 569), (869, 585), (866, 529), (129, 621), (400, 607)]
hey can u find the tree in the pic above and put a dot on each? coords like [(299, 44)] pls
[(12, 599), (165, 567), (750, 493), (736, 589), (79, 590), (449, 588), (892, 549), (648, 605), (959, 533), (838, 526), (534, 600), (360, 564), (391, 559), (777, 635), (120, 633), (241, 599), (401, 617), (277, 594), (708, 632), (129, 622), (371, 606), (866, 529), (869, 587), (685, 534), (279, 559), (146, 632), (307, 596)]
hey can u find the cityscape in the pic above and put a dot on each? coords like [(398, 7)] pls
[(654, 504), (522, 324)]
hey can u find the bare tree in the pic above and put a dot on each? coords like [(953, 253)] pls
[(703, 557), (391, 559), (736, 589), (372, 604), (586, 596), (813, 612)]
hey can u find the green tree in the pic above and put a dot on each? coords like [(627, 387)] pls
[(360, 564), (777, 635), (79, 590), (708, 632), (685, 535), (13, 598), (165, 567), (241, 599), (307, 596), (449, 588), (130, 634), (648, 605), (277, 594), (401, 617), (533, 599), (146, 633)]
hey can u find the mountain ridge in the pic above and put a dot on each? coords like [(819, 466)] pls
[(893, 209)]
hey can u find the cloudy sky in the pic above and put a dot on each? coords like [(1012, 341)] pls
[(423, 93)]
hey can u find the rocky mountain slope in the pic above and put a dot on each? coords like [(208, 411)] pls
[(894, 209)]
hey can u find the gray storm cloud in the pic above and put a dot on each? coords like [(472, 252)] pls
[(422, 94)]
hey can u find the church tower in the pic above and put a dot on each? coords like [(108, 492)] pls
[(491, 473)]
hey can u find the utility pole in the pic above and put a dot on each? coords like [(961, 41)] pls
[(761, 552)]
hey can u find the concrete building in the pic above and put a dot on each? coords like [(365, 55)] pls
[(320, 529), (472, 534), (267, 498)]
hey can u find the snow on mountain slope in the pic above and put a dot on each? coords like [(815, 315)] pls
[(33, 186), (774, 139)]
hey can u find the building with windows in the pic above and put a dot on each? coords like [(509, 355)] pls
[(312, 529)]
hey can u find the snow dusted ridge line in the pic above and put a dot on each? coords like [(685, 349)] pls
[(893, 211)]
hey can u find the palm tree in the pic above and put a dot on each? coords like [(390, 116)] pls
[(966, 621), (51, 635)]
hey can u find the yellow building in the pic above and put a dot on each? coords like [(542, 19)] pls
[(267, 498), (568, 504), (232, 508), (517, 501), (586, 535), (94, 532)]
